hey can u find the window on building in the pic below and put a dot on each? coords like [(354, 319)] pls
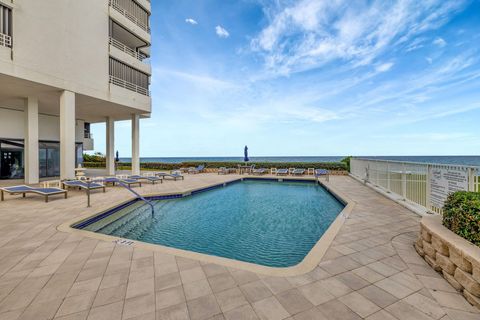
[(11, 159), (5, 26), (49, 159)]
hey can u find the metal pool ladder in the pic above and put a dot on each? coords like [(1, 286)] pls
[(138, 197)]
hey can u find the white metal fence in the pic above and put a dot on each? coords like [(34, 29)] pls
[(420, 183)]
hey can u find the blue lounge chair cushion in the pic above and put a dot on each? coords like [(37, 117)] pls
[(82, 184), (18, 189)]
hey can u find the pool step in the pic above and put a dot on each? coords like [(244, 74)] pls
[(140, 227), (133, 224), (128, 221)]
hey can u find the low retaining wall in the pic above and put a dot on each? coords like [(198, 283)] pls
[(456, 258)]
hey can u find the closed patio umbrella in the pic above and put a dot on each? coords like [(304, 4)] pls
[(245, 153)]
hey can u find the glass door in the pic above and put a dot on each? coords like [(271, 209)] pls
[(49, 158), (11, 160)]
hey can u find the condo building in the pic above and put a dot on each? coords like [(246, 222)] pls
[(65, 64)]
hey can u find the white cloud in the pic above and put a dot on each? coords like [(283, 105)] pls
[(439, 42), (309, 33), (384, 67), (198, 80), (417, 43), (191, 21), (222, 32)]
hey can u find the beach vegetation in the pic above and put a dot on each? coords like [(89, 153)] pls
[(461, 214)]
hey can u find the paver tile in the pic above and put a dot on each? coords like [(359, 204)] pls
[(203, 308), (169, 297), (230, 299), (270, 309), (336, 310), (294, 301), (255, 291), (359, 304), (241, 313)]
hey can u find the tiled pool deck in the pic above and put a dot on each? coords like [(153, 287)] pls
[(370, 271)]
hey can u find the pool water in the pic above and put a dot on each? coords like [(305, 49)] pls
[(269, 223)]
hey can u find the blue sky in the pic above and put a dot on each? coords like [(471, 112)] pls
[(311, 77)]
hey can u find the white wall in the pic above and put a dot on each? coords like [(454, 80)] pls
[(12, 126), (64, 44)]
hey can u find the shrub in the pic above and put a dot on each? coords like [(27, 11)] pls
[(346, 160), (461, 214), (94, 164), (334, 166), (97, 157)]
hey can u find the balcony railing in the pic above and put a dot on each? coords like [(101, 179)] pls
[(120, 46), (5, 40), (114, 4), (128, 85)]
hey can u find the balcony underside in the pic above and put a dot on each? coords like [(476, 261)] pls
[(13, 92)]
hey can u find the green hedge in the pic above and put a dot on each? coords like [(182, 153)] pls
[(335, 166), (461, 214), (90, 164)]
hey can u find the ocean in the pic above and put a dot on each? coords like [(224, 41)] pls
[(461, 160)]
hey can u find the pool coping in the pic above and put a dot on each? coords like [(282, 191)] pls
[(310, 261)]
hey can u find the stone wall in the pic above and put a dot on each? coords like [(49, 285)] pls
[(455, 258)]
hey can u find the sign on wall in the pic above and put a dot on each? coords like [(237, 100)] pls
[(444, 181)]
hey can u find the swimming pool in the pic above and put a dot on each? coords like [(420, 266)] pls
[(264, 222)]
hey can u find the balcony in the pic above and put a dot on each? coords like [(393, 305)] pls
[(88, 142), (142, 23), (129, 86), (5, 40), (135, 59), (136, 54)]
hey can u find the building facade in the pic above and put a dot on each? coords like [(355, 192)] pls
[(65, 64)]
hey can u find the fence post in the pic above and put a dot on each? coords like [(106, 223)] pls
[(388, 176), (471, 180), (404, 182), (428, 188)]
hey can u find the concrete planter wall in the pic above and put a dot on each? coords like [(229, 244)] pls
[(456, 258)]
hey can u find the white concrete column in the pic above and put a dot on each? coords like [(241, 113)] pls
[(67, 135), (110, 154), (135, 144), (31, 165)]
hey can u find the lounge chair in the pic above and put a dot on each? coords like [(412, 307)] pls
[(282, 172), (322, 172), (259, 171), (224, 170), (82, 185), (127, 181), (147, 178), (197, 169), (175, 176), (23, 189), (298, 172)]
